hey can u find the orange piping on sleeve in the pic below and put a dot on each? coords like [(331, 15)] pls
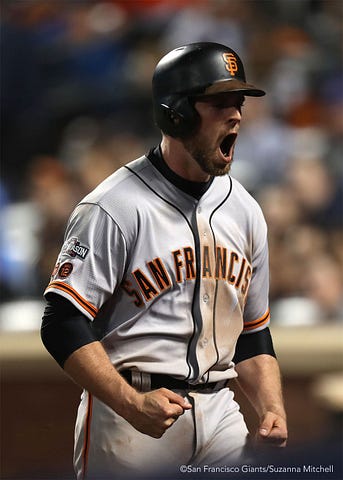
[(259, 322), (75, 295)]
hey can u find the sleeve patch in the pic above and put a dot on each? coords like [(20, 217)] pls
[(73, 248)]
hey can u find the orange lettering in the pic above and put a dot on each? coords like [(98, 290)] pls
[(230, 63)]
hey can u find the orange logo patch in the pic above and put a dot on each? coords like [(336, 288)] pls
[(65, 270), (230, 63)]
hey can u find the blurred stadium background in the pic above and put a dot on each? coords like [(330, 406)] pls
[(75, 104)]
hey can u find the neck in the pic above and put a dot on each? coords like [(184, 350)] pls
[(180, 161)]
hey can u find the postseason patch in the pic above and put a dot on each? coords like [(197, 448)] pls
[(73, 248)]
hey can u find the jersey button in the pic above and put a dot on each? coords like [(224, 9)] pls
[(199, 209), (205, 298)]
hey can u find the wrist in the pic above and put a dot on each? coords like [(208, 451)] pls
[(127, 400), (274, 409)]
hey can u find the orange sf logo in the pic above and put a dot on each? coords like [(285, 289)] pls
[(230, 63)]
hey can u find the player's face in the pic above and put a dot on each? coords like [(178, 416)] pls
[(212, 146)]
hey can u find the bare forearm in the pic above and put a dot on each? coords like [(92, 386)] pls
[(259, 378), (90, 367)]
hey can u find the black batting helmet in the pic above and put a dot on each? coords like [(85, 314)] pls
[(193, 70)]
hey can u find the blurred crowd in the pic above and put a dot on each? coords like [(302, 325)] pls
[(76, 105)]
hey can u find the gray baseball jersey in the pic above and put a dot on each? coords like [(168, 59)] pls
[(169, 281)]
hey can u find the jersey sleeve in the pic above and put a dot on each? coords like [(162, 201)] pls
[(256, 312), (92, 260)]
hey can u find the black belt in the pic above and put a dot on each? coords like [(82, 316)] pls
[(159, 381)]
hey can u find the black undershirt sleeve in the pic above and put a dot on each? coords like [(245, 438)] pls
[(251, 344), (64, 328)]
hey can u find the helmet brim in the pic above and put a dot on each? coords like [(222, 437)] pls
[(233, 85)]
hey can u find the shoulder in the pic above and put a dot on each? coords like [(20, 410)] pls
[(118, 199), (121, 185)]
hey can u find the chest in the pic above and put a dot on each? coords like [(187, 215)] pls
[(203, 242)]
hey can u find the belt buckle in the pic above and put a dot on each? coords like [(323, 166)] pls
[(141, 381)]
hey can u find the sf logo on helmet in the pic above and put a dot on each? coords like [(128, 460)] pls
[(230, 63)]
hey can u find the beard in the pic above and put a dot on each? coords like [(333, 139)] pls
[(206, 157)]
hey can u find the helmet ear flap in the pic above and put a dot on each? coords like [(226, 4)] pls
[(178, 119)]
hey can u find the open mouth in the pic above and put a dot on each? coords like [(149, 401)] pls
[(227, 144)]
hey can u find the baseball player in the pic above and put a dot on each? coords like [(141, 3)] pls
[(159, 297)]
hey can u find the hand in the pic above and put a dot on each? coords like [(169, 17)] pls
[(154, 412), (272, 431)]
